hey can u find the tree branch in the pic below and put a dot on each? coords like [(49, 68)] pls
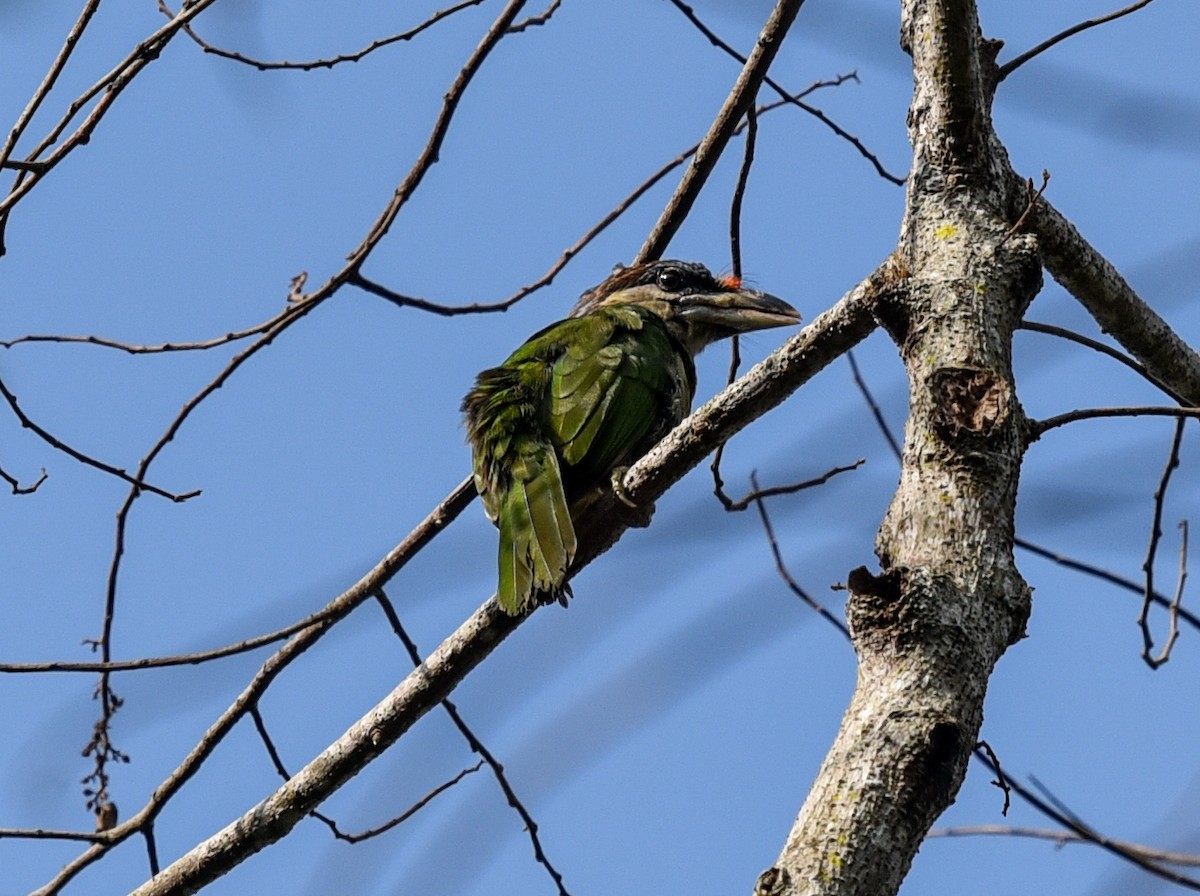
[(765, 385), (722, 129), (1095, 282)]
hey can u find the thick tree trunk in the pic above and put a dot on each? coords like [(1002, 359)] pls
[(929, 628)]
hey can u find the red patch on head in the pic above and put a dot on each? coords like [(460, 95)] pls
[(731, 282)]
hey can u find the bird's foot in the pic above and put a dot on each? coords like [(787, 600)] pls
[(618, 487), (640, 518)]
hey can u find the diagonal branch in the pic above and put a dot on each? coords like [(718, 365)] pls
[(327, 62), (1095, 282), (734, 108), (440, 517), (1009, 67), (765, 385)]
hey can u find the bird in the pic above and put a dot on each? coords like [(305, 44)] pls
[(579, 401)]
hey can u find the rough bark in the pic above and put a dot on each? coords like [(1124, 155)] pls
[(948, 600)]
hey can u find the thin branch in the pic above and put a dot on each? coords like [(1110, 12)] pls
[(837, 129), (735, 256), (1009, 67), (105, 91), (1053, 808), (538, 20), (477, 747), (1001, 779), (873, 405), (49, 834), (1038, 428), (43, 89), (181, 659), (138, 482), (15, 484), (782, 569), (1108, 350), (406, 814), (273, 753), (739, 192), (1091, 278), (756, 494), (1032, 199), (233, 336), (1160, 498), (331, 61), (723, 127), (337, 609), (1062, 838), (1107, 576)]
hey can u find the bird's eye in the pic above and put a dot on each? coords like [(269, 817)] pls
[(670, 280)]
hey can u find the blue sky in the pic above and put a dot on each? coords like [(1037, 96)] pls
[(663, 729)]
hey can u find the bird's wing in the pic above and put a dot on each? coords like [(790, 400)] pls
[(517, 470), (607, 400)]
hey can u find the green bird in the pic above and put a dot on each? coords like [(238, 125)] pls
[(587, 396)]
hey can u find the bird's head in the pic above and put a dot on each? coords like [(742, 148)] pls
[(698, 306)]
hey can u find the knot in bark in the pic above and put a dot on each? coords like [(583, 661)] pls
[(968, 401)]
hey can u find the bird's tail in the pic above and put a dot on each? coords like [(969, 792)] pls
[(537, 538)]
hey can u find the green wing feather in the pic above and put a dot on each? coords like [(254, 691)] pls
[(578, 399), (609, 404)]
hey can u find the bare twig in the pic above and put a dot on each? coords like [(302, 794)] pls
[(137, 481), (1051, 807), (1061, 838), (477, 747), (1092, 279), (43, 89), (280, 769), (105, 92), (1106, 575), (15, 484), (49, 834), (784, 574), (1038, 428), (795, 100), (1160, 497), (756, 494), (537, 20), (233, 336), (1108, 350), (1001, 781), (735, 256), (876, 412), (182, 659), (1009, 67), (403, 816), (736, 104), (1031, 203), (329, 62)]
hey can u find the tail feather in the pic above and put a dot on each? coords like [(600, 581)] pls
[(537, 537)]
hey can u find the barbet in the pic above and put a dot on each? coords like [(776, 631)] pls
[(587, 396)]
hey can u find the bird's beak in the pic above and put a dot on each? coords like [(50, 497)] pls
[(737, 310)]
